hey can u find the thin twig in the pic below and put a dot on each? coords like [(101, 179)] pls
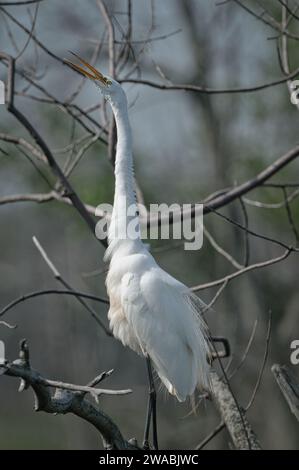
[(210, 436), (7, 325), (261, 372), (21, 2), (111, 51), (209, 90), (70, 192), (216, 296), (221, 250), (60, 279), (40, 293), (111, 37), (30, 34), (249, 268), (247, 349), (290, 216)]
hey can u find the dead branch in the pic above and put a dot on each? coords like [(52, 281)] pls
[(240, 430), (59, 398), (69, 191), (289, 386)]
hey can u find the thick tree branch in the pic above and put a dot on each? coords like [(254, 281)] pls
[(241, 432), (254, 182), (289, 387), (66, 398)]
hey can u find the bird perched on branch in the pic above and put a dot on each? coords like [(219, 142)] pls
[(150, 311)]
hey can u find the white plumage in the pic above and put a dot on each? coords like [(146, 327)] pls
[(150, 311), (153, 313)]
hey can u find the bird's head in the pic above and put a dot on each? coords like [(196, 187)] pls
[(109, 88)]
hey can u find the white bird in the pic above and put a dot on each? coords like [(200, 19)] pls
[(150, 311)]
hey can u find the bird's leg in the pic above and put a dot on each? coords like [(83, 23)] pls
[(151, 409), (147, 424)]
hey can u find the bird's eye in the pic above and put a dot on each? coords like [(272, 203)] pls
[(107, 81)]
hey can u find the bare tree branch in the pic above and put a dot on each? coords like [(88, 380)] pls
[(125, 55), (252, 267), (76, 201), (40, 198), (111, 36), (24, 143), (209, 90), (67, 398), (210, 436), (267, 19), (60, 279), (262, 368), (21, 52), (8, 325), (39, 293), (245, 354), (21, 2), (230, 414), (112, 65), (289, 387)]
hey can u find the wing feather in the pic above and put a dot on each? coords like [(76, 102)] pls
[(167, 324)]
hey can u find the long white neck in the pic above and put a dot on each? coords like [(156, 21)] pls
[(124, 213)]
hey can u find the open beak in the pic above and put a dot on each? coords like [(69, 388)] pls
[(89, 71)]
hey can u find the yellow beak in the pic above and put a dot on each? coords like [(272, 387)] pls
[(91, 72)]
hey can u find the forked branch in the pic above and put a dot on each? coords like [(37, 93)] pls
[(61, 398)]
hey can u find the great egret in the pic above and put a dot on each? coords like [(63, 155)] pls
[(150, 311)]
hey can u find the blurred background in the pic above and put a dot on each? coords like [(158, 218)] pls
[(187, 146)]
